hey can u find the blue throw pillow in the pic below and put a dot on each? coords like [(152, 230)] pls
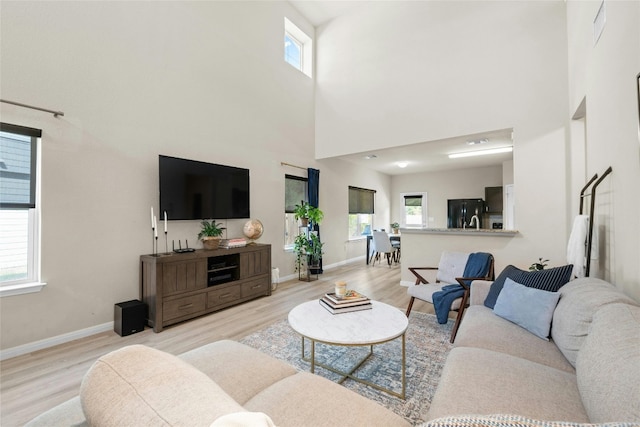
[(528, 307), (549, 280)]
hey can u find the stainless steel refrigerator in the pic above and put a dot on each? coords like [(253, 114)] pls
[(460, 211)]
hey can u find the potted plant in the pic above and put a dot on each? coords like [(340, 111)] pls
[(395, 226), (210, 234), (308, 250), (307, 213), (540, 265)]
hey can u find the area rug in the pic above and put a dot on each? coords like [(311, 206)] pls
[(427, 346)]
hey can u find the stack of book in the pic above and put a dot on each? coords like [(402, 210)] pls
[(352, 301), (232, 243)]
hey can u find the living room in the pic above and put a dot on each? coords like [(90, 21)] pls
[(206, 81)]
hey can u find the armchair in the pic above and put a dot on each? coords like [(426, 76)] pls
[(450, 292)]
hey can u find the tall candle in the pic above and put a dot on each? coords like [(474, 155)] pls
[(152, 224), (155, 227), (165, 221)]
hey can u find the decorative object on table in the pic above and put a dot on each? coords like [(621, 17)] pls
[(166, 240), (335, 305), (210, 234), (540, 265), (232, 243), (307, 214), (253, 230), (154, 233), (395, 227), (350, 297), (341, 289)]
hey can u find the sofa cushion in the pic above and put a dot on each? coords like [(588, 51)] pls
[(306, 399), (579, 300), (240, 370), (608, 365), (528, 307), (481, 328), (138, 385), (68, 413), (483, 382), (550, 280)]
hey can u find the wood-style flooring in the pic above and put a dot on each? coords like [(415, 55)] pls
[(33, 383)]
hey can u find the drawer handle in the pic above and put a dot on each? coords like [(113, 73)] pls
[(225, 296), (183, 307), (256, 286)]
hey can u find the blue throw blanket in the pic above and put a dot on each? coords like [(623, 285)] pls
[(477, 266)]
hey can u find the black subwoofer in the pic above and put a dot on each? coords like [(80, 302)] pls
[(129, 317)]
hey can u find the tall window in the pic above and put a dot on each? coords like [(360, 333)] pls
[(361, 210), (19, 260), (298, 48), (414, 209), (295, 191)]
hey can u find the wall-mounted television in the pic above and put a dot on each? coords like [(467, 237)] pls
[(197, 190)]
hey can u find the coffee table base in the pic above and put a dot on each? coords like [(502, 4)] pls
[(345, 375)]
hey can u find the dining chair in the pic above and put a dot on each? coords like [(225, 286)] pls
[(381, 244)]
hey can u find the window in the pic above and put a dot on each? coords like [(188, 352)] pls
[(298, 48), (295, 191), (361, 210), (414, 209), (19, 251)]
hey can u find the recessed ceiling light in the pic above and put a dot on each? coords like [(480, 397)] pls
[(402, 164), (370, 156), (481, 152)]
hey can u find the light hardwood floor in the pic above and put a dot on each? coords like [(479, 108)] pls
[(35, 382)]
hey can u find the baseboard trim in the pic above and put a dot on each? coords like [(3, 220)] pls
[(53, 341)]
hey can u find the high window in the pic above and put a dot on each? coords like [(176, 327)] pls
[(414, 209), (361, 210), (19, 237), (295, 191), (298, 48)]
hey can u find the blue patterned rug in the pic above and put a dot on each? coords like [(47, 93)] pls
[(427, 346)]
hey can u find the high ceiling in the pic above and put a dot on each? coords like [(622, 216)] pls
[(422, 157)]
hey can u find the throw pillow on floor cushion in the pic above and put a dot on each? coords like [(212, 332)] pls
[(549, 280)]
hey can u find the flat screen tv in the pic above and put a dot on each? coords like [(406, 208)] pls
[(196, 190)]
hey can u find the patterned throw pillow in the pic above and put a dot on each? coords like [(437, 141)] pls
[(548, 280)]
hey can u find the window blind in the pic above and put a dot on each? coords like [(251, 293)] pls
[(361, 200)]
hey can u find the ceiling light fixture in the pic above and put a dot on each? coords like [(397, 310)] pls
[(478, 142), (481, 152), (370, 156), (402, 164)]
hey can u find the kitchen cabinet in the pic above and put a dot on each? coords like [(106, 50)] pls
[(493, 200)]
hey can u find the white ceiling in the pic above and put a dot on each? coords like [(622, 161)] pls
[(421, 157)]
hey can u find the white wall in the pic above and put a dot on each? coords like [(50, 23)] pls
[(396, 73), (604, 75), (199, 80)]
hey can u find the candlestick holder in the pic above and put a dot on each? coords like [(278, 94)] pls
[(166, 243)]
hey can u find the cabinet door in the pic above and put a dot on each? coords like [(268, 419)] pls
[(255, 263), (183, 276), (255, 287), (493, 197)]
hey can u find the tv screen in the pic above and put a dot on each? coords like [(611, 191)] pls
[(196, 190)]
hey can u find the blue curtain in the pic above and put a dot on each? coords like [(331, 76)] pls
[(313, 186), (313, 189)]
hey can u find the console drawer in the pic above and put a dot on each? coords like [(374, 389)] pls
[(223, 296), (256, 287), (183, 306)]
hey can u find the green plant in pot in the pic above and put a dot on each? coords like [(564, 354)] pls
[(395, 226), (210, 233), (307, 249), (307, 213)]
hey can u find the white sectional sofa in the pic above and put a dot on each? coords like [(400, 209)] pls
[(588, 372)]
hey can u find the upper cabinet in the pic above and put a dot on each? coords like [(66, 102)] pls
[(493, 199)]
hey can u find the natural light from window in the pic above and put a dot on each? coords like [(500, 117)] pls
[(298, 48)]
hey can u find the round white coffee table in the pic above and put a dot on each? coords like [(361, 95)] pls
[(378, 325)]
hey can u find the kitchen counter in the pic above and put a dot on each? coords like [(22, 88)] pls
[(460, 231)]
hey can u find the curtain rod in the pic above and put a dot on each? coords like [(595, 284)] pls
[(293, 166), (55, 113)]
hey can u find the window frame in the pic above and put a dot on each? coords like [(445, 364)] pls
[(424, 205), (357, 208), (31, 283), (306, 51)]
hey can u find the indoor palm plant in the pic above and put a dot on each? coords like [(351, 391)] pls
[(210, 233)]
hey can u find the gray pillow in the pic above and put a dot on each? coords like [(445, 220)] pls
[(528, 307)]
